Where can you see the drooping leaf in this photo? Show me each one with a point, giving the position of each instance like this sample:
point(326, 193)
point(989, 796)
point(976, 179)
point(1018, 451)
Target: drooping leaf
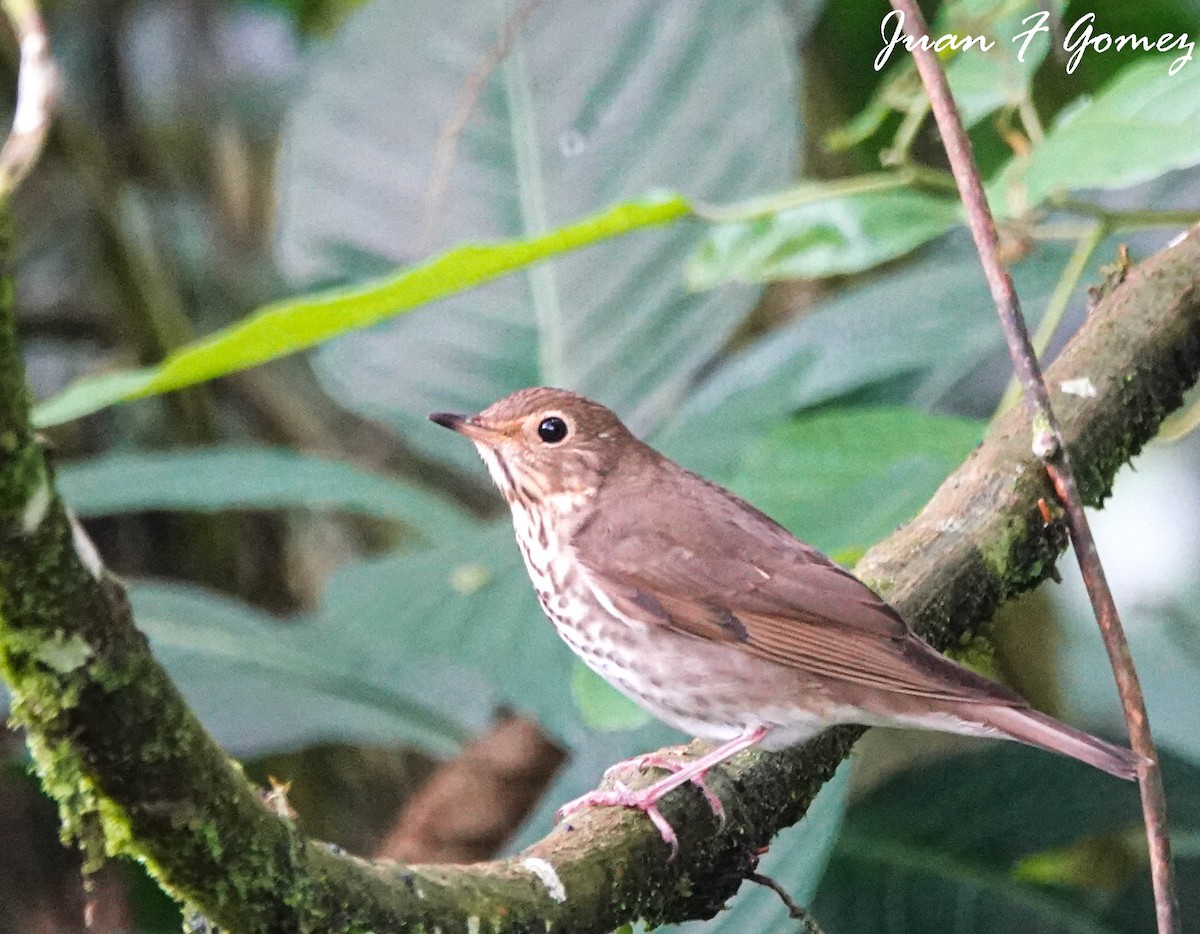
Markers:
point(1142, 124)
point(844, 478)
point(592, 101)
point(296, 324)
point(251, 478)
point(826, 238)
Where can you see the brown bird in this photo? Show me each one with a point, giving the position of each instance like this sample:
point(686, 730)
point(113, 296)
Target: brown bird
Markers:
point(711, 615)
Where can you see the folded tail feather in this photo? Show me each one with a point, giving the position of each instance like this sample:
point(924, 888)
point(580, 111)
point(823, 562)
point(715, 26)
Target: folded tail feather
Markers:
point(1038, 729)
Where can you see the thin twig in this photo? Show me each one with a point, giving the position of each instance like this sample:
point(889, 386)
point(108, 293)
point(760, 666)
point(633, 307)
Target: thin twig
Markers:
point(1049, 448)
point(37, 88)
point(452, 130)
point(808, 924)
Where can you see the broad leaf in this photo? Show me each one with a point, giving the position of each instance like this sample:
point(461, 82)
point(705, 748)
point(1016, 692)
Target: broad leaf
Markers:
point(260, 685)
point(592, 102)
point(826, 238)
point(251, 478)
point(468, 605)
point(843, 478)
point(298, 323)
point(909, 337)
point(1142, 124)
point(955, 846)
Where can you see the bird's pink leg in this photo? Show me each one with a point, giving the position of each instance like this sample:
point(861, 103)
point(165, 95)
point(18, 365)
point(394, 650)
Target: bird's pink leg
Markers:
point(658, 760)
point(646, 799)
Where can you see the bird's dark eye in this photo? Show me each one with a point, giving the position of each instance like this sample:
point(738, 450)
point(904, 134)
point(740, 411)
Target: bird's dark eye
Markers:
point(552, 430)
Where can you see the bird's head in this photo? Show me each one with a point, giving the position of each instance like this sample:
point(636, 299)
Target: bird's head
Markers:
point(543, 443)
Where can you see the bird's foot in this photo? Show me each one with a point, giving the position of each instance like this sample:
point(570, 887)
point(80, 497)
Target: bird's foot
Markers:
point(645, 800)
point(658, 760)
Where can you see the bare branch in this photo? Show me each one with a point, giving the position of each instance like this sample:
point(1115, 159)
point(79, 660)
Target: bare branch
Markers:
point(37, 87)
point(1048, 445)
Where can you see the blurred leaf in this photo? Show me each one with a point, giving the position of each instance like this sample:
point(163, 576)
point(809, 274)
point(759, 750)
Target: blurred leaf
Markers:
point(412, 613)
point(295, 324)
point(981, 80)
point(261, 685)
point(1142, 124)
point(251, 478)
point(830, 237)
point(602, 706)
point(911, 334)
point(1150, 541)
point(939, 849)
point(844, 478)
point(796, 861)
point(985, 81)
point(591, 102)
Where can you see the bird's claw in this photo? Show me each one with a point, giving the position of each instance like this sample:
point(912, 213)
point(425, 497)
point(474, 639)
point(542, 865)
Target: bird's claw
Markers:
point(656, 760)
point(622, 795)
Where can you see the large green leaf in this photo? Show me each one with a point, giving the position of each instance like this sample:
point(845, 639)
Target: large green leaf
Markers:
point(298, 323)
point(251, 478)
point(1142, 124)
point(828, 237)
point(592, 101)
point(908, 337)
point(955, 847)
point(260, 685)
point(845, 477)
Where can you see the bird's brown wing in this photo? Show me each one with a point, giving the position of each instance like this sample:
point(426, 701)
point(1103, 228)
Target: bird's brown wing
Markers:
point(737, 577)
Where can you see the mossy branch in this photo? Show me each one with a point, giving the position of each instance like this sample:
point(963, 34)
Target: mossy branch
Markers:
point(135, 774)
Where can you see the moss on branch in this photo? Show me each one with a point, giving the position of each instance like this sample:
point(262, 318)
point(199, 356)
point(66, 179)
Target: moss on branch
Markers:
point(135, 774)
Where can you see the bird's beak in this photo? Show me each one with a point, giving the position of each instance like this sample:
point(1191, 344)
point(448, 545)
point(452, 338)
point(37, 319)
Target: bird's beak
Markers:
point(467, 425)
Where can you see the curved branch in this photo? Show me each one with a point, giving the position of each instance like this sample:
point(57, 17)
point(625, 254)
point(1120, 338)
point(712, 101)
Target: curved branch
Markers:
point(134, 772)
point(37, 88)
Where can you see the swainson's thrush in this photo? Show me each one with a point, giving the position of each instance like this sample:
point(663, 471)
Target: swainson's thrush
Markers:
point(711, 615)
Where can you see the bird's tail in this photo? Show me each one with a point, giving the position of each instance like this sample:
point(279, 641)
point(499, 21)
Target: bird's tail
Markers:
point(1037, 729)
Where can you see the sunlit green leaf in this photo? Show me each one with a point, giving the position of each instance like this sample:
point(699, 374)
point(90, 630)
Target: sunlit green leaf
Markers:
point(295, 324)
point(1142, 124)
point(826, 238)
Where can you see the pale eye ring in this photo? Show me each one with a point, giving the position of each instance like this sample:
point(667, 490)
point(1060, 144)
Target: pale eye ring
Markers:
point(552, 429)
